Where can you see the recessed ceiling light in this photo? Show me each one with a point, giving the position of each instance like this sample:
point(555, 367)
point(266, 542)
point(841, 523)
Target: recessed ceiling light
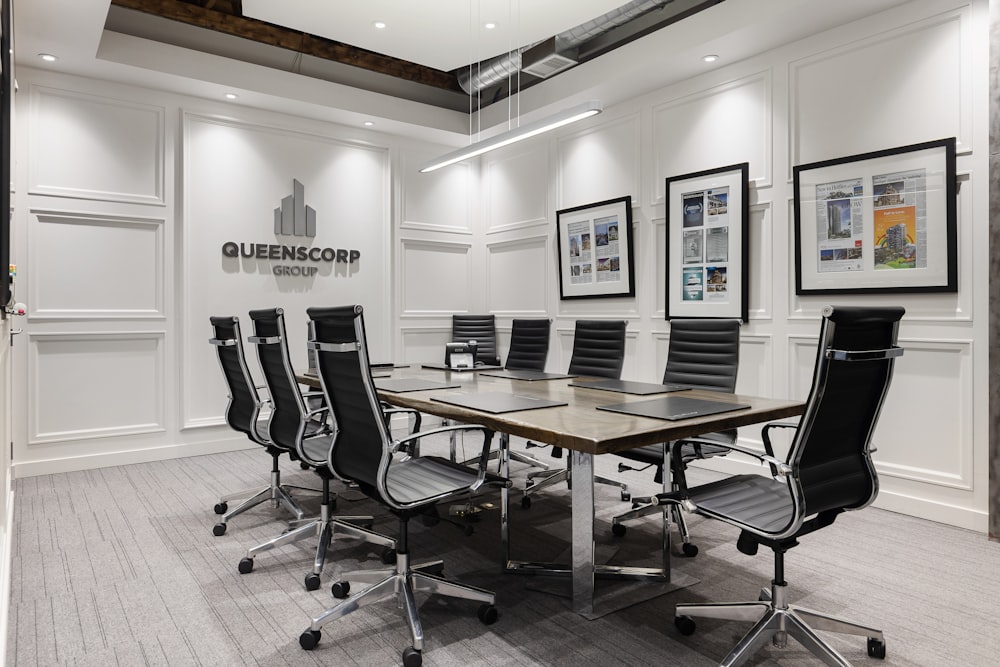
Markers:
point(369, 123)
point(490, 25)
point(47, 57)
point(379, 25)
point(710, 58)
point(231, 96)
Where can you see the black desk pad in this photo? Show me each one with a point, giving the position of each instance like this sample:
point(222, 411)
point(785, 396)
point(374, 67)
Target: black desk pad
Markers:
point(446, 367)
point(530, 376)
point(628, 387)
point(674, 408)
point(497, 402)
point(400, 385)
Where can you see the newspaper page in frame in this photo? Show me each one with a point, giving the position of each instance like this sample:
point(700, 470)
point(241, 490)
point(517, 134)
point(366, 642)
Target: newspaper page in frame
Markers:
point(581, 253)
point(705, 237)
point(606, 250)
point(840, 225)
point(900, 219)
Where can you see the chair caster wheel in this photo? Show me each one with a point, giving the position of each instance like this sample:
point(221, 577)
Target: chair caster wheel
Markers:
point(626, 496)
point(685, 625)
point(309, 639)
point(246, 566)
point(412, 657)
point(219, 529)
point(389, 556)
point(340, 589)
point(468, 530)
point(221, 508)
point(689, 550)
point(312, 581)
point(618, 529)
point(876, 648)
point(526, 502)
point(304, 465)
point(488, 614)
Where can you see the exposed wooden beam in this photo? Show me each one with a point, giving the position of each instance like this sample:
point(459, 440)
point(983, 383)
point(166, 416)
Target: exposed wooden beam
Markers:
point(267, 33)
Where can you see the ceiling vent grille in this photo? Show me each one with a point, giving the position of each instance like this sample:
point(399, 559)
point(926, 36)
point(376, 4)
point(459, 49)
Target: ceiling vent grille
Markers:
point(543, 61)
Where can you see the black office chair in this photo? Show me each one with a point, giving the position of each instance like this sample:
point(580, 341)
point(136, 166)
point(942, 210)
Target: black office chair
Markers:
point(529, 344)
point(364, 451)
point(479, 328)
point(244, 414)
point(703, 354)
point(598, 351)
point(828, 470)
point(295, 424)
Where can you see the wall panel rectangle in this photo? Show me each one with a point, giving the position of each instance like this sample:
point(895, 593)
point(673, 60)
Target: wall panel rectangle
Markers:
point(517, 277)
point(93, 385)
point(435, 277)
point(94, 266)
point(92, 147)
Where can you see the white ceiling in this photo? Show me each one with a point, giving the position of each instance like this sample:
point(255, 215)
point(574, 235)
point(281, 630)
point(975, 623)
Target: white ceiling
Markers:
point(75, 31)
point(443, 34)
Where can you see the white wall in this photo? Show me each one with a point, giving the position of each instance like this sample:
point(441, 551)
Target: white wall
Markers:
point(912, 74)
point(123, 196)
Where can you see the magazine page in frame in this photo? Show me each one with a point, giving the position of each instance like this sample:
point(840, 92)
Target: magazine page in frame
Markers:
point(877, 222)
point(707, 251)
point(595, 250)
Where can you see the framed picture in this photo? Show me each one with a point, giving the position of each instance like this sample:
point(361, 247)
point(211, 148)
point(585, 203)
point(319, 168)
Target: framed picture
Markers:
point(707, 254)
point(878, 222)
point(595, 250)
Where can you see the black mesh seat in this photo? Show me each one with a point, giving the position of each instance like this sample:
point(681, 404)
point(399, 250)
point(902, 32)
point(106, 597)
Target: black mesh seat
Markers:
point(300, 421)
point(828, 470)
point(249, 414)
point(386, 470)
point(598, 351)
point(703, 354)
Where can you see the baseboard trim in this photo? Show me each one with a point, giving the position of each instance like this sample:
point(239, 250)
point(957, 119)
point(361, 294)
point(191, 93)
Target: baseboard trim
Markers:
point(126, 457)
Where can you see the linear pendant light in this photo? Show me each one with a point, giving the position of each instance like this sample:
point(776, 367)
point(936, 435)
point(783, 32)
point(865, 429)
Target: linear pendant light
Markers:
point(564, 117)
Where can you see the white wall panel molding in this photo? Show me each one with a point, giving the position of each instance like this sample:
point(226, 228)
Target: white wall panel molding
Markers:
point(424, 344)
point(761, 269)
point(91, 147)
point(725, 124)
point(614, 145)
point(517, 276)
point(435, 278)
point(515, 192)
point(439, 201)
point(841, 105)
point(934, 377)
point(90, 385)
point(95, 267)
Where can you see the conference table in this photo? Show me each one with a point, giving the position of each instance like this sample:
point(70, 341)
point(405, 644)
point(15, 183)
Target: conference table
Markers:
point(577, 425)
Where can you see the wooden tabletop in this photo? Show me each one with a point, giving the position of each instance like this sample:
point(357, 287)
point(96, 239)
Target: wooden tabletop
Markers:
point(579, 425)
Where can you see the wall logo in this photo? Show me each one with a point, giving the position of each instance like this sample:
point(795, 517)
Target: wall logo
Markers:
point(293, 218)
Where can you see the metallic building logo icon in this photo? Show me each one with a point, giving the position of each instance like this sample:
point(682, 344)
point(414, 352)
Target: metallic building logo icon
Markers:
point(293, 217)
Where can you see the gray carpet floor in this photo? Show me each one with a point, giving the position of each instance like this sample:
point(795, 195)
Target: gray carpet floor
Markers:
point(119, 566)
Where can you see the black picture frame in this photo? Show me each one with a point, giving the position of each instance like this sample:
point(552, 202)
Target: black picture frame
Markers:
point(878, 222)
point(707, 249)
point(596, 256)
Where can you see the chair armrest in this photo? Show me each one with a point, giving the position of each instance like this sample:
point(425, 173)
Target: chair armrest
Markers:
point(765, 436)
point(484, 457)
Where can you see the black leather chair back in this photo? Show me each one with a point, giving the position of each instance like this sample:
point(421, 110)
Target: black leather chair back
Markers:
point(288, 416)
point(830, 455)
point(703, 354)
point(243, 410)
point(598, 348)
point(480, 328)
point(529, 344)
point(360, 448)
